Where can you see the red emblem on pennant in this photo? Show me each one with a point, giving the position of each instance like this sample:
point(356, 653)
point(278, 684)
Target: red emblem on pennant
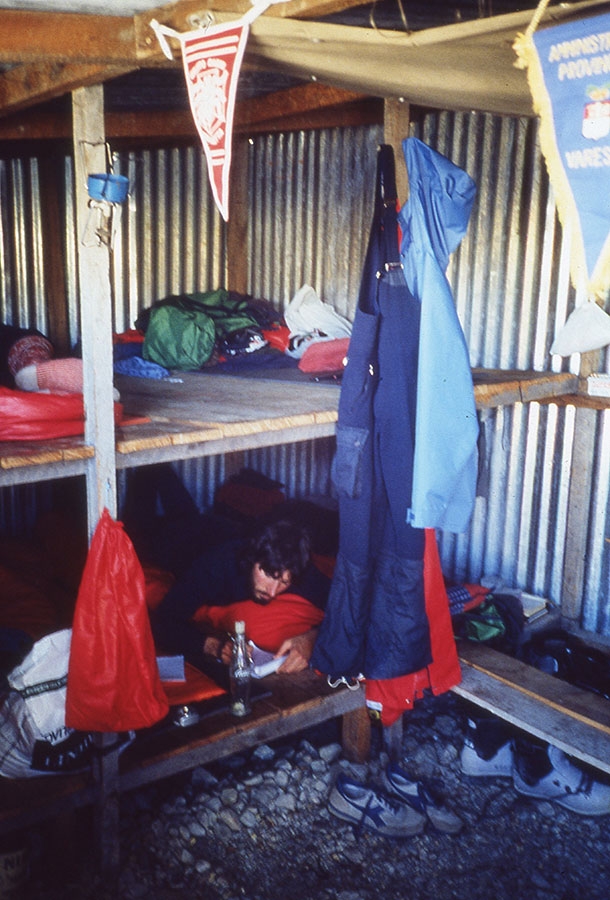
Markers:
point(212, 60)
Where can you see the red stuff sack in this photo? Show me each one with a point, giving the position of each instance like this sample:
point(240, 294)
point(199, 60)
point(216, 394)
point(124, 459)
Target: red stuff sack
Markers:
point(113, 677)
point(26, 416)
point(325, 357)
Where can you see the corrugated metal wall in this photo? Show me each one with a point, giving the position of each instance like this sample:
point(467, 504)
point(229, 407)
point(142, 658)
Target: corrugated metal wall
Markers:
point(22, 298)
point(311, 206)
point(311, 203)
point(311, 195)
point(22, 287)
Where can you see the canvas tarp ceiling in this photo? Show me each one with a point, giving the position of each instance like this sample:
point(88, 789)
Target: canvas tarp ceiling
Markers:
point(470, 65)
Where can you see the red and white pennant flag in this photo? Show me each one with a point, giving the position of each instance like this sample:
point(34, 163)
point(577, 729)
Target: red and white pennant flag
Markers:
point(212, 58)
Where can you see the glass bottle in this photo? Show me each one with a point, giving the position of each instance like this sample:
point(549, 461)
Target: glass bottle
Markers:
point(240, 672)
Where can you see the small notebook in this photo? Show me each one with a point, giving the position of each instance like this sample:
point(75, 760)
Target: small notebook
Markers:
point(533, 607)
point(171, 668)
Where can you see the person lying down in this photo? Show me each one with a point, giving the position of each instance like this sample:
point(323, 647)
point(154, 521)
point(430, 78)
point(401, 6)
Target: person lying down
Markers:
point(268, 580)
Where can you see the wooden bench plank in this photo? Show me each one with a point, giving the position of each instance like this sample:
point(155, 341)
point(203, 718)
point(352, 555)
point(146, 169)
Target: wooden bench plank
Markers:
point(295, 703)
point(497, 387)
point(575, 720)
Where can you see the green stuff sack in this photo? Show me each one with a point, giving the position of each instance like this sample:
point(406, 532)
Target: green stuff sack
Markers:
point(484, 623)
point(180, 335)
point(498, 622)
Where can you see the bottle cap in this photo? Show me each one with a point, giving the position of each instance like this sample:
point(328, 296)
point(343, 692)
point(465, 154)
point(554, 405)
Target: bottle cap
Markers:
point(240, 627)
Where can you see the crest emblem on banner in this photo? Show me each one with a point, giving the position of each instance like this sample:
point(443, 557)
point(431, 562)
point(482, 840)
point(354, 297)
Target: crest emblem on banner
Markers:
point(596, 117)
point(568, 70)
point(212, 57)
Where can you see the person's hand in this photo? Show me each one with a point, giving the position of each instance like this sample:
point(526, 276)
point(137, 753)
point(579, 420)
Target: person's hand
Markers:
point(298, 651)
point(219, 648)
point(226, 652)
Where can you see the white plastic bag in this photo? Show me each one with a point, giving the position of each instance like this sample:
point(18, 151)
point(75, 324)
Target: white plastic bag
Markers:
point(587, 328)
point(307, 314)
point(34, 739)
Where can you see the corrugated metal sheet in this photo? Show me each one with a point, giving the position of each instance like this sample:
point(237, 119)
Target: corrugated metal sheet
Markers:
point(22, 285)
point(311, 197)
point(168, 237)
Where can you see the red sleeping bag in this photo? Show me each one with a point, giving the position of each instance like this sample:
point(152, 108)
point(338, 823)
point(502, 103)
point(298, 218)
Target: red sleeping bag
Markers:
point(31, 416)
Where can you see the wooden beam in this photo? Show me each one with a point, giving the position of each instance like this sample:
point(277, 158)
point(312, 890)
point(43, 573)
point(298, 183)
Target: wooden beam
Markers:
point(579, 513)
point(29, 85)
point(52, 181)
point(237, 226)
point(365, 112)
point(297, 100)
point(579, 499)
point(537, 703)
point(45, 123)
point(35, 37)
point(185, 15)
point(356, 735)
point(301, 108)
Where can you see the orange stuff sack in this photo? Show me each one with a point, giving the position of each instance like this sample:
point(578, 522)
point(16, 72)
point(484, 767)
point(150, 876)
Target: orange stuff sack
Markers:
point(113, 677)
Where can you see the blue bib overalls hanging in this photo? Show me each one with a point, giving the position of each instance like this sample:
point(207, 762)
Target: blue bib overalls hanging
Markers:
point(376, 623)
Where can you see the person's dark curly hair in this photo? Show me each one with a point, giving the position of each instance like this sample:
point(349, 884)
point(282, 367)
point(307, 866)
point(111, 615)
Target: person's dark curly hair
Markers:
point(278, 547)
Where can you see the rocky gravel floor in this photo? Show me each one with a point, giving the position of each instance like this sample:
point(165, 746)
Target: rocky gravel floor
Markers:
point(258, 827)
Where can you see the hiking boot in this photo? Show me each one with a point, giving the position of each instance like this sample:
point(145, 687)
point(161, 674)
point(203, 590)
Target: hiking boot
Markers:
point(398, 783)
point(565, 784)
point(500, 765)
point(367, 808)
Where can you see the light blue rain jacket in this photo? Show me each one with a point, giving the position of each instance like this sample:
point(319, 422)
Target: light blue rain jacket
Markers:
point(434, 220)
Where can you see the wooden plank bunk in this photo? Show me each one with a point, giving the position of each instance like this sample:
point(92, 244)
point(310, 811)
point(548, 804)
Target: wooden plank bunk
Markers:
point(203, 415)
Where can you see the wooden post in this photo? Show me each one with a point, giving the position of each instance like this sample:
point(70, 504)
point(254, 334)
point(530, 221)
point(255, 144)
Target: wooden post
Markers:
point(396, 124)
point(581, 479)
point(107, 803)
point(237, 249)
point(392, 739)
point(96, 335)
point(95, 303)
point(237, 226)
point(52, 186)
point(356, 734)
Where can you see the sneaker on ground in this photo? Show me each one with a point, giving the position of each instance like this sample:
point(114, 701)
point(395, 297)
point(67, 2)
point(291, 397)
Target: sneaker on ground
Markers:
point(567, 785)
point(368, 809)
point(500, 765)
point(398, 783)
